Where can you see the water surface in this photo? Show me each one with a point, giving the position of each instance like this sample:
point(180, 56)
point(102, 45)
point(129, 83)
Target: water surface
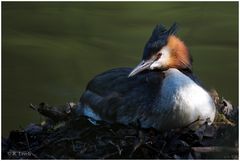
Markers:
point(51, 50)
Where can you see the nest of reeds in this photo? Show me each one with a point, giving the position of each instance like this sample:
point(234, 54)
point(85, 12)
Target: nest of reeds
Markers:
point(64, 136)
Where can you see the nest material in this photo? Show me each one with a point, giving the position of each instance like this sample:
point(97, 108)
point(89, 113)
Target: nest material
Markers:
point(64, 136)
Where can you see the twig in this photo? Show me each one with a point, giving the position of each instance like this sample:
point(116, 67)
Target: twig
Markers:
point(117, 146)
point(66, 139)
point(215, 149)
point(33, 107)
point(26, 137)
point(34, 155)
point(135, 148)
point(188, 125)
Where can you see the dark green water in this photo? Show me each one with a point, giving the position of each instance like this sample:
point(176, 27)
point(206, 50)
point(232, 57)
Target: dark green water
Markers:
point(51, 50)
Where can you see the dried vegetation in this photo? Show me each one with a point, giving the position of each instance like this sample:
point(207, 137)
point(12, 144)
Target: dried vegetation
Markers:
point(64, 136)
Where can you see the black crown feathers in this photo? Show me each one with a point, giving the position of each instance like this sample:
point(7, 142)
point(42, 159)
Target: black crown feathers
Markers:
point(158, 39)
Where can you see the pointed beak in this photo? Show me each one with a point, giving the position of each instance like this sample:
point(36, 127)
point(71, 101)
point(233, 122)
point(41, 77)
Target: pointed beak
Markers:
point(141, 67)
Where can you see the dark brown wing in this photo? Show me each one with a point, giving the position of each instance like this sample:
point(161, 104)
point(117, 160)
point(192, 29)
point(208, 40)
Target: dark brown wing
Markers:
point(117, 98)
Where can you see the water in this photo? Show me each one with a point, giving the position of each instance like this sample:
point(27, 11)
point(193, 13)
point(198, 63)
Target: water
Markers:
point(51, 50)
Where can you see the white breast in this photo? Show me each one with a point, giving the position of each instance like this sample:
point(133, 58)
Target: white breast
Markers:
point(183, 101)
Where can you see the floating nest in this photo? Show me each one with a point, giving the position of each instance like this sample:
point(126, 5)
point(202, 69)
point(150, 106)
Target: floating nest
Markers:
point(64, 136)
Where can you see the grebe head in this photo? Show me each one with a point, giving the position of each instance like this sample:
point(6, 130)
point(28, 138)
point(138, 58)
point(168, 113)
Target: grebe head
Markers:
point(164, 50)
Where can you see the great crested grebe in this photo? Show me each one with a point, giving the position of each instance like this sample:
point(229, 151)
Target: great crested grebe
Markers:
point(161, 92)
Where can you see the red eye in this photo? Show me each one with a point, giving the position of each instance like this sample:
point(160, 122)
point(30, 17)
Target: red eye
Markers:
point(158, 55)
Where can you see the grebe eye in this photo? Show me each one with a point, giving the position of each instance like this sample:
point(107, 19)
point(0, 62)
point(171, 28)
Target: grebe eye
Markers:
point(158, 55)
